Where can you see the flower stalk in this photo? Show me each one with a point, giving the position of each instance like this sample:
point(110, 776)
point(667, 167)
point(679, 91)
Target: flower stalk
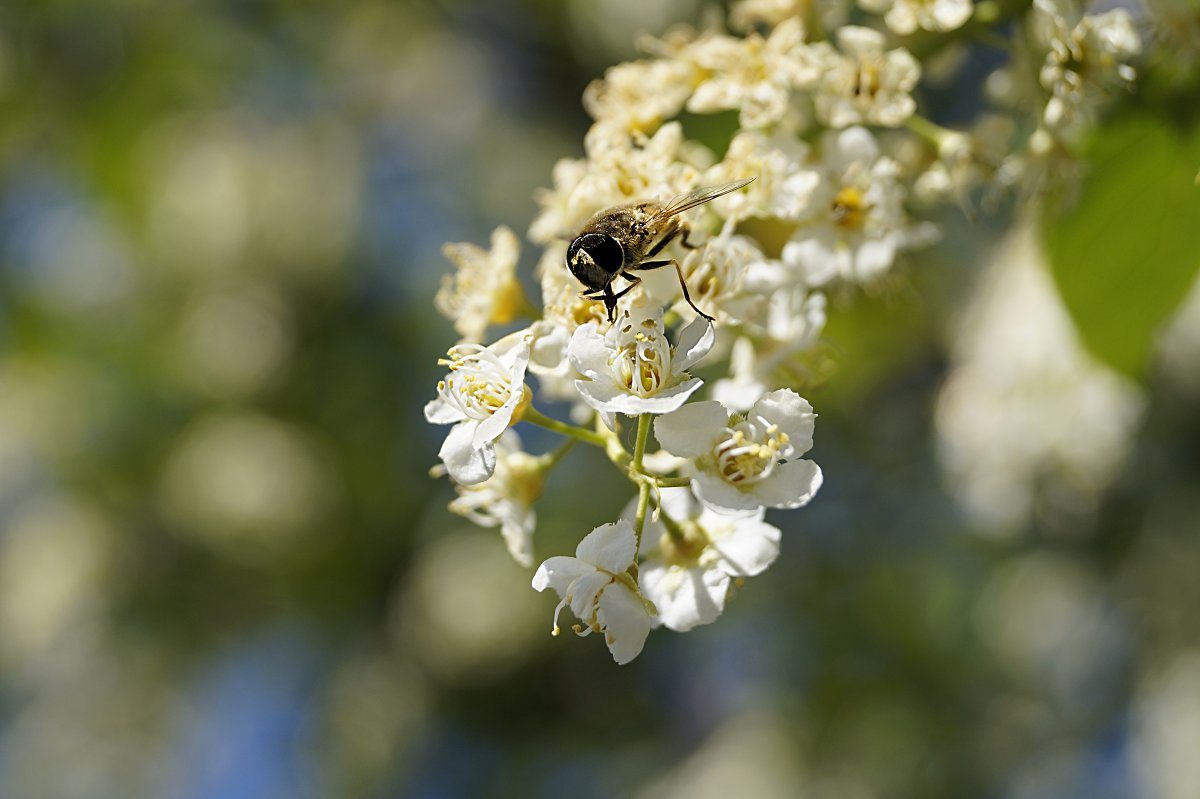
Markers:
point(636, 468)
point(534, 416)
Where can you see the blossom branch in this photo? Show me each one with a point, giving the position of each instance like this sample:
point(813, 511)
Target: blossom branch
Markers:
point(636, 468)
point(534, 416)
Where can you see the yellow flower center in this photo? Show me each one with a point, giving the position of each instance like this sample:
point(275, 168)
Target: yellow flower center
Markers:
point(478, 382)
point(849, 208)
point(747, 455)
point(642, 364)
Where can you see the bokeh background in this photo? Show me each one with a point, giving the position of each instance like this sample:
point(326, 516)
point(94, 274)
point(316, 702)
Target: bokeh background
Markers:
point(225, 571)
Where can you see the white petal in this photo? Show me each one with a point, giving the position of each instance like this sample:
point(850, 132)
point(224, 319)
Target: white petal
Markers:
point(874, 257)
point(853, 144)
point(559, 572)
point(549, 347)
point(685, 598)
point(517, 530)
point(901, 19)
point(695, 341)
point(690, 431)
point(749, 549)
point(791, 485)
point(738, 395)
point(679, 503)
point(625, 621)
point(720, 495)
point(490, 428)
point(793, 415)
point(610, 546)
point(607, 397)
point(815, 255)
point(952, 14)
point(467, 464)
point(583, 593)
point(587, 351)
point(856, 40)
point(599, 394)
point(440, 411)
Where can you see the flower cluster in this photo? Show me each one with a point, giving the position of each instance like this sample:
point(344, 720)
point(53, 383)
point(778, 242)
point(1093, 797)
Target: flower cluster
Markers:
point(841, 161)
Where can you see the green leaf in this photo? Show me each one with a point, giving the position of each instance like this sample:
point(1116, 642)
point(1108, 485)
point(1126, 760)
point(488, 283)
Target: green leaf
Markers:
point(1125, 254)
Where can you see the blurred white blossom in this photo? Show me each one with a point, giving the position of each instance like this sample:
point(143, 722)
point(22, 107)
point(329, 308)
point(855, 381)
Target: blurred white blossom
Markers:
point(857, 222)
point(505, 499)
point(484, 289)
point(862, 83)
point(1086, 55)
point(905, 17)
point(754, 75)
point(1026, 415)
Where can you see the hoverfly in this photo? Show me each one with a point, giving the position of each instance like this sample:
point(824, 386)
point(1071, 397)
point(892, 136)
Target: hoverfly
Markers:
point(625, 238)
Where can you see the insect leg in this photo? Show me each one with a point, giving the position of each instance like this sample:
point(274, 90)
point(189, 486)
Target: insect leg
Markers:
point(670, 235)
point(682, 283)
point(633, 281)
point(686, 228)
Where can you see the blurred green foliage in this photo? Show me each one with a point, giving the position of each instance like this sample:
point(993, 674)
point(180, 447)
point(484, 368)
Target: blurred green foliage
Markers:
point(1128, 248)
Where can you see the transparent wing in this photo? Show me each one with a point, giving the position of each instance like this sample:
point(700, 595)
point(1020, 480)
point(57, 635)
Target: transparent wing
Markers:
point(683, 202)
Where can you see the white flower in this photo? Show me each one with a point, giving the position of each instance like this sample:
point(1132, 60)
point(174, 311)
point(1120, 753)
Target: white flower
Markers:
point(744, 462)
point(966, 162)
point(752, 74)
point(826, 15)
point(785, 183)
point(747, 14)
point(598, 587)
point(692, 555)
point(795, 319)
point(485, 289)
point(864, 84)
point(621, 167)
point(505, 500)
point(640, 95)
point(480, 397)
point(904, 17)
point(1082, 59)
point(716, 272)
point(858, 221)
point(631, 368)
point(564, 207)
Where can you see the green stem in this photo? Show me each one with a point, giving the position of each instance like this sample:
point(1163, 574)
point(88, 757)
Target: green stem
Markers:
point(534, 416)
point(673, 482)
point(639, 452)
point(926, 129)
point(639, 445)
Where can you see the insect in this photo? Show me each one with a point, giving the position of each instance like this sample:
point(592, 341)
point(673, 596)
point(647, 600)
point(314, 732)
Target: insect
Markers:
point(624, 239)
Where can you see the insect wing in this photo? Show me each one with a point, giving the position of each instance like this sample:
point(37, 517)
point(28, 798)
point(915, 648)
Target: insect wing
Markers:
point(683, 202)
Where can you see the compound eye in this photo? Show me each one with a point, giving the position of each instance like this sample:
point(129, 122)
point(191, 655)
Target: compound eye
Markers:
point(606, 251)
